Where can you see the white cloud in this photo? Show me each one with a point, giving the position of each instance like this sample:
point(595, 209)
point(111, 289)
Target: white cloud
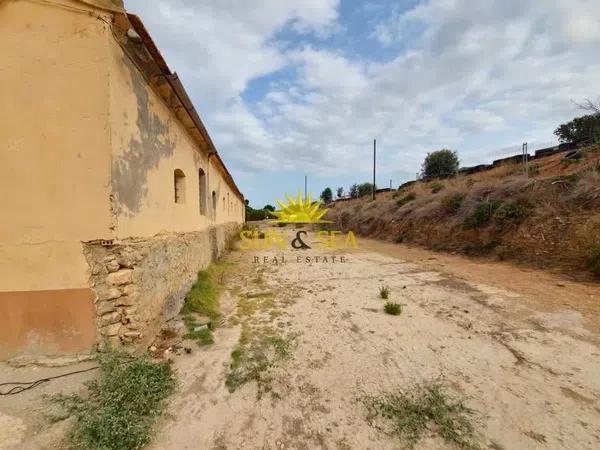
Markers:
point(218, 46)
point(506, 69)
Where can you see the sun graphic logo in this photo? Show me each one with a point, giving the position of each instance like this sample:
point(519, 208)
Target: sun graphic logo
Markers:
point(300, 211)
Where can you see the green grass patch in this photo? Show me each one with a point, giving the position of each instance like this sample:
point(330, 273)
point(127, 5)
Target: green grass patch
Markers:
point(203, 300)
point(394, 309)
point(412, 414)
point(121, 407)
point(203, 337)
point(384, 292)
point(406, 199)
point(250, 304)
point(484, 211)
point(254, 357)
point(452, 202)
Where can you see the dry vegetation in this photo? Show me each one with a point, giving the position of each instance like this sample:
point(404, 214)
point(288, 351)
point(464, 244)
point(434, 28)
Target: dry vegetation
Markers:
point(550, 219)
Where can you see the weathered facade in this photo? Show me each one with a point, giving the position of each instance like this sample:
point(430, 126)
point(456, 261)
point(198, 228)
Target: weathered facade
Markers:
point(114, 196)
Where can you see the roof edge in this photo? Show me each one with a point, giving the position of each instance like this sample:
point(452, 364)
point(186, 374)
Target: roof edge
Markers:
point(175, 83)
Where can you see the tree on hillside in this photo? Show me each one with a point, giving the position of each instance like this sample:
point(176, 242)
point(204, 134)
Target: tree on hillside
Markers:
point(327, 195)
point(580, 129)
point(269, 208)
point(365, 189)
point(340, 192)
point(440, 164)
point(354, 191)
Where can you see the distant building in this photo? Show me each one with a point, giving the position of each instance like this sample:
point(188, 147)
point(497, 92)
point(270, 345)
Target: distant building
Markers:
point(113, 194)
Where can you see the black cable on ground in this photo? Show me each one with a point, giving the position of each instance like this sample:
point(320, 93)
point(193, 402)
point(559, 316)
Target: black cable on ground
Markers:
point(19, 387)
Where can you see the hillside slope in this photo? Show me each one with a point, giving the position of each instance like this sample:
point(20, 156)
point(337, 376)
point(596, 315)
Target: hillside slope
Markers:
point(550, 219)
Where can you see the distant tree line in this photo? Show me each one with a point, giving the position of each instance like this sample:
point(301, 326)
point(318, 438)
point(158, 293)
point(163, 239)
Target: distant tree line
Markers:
point(258, 214)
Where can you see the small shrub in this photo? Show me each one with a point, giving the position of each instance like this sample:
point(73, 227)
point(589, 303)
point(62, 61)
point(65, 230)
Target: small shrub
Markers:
point(414, 413)
point(399, 239)
point(436, 187)
point(384, 292)
point(515, 211)
point(453, 202)
point(203, 336)
point(406, 199)
point(483, 213)
point(394, 309)
point(121, 407)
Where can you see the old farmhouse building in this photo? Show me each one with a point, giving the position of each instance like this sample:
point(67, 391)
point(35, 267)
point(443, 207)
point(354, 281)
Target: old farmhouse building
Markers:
point(113, 194)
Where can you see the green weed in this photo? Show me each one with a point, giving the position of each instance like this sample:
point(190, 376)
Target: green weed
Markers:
point(255, 356)
point(121, 407)
point(203, 298)
point(412, 414)
point(394, 309)
point(384, 292)
point(203, 336)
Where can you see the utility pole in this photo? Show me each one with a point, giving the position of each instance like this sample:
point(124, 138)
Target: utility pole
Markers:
point(305, 187)
point(525, 160)
point(374, 165)
point(390, 185)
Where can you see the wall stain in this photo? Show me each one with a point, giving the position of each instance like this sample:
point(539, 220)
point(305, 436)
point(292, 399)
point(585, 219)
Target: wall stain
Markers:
point(130, 171)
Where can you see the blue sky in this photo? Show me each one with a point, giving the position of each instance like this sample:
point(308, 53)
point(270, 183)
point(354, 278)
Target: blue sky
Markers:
point(302, 87)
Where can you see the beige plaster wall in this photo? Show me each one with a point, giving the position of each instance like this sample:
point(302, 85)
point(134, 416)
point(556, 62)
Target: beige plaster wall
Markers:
point(54, 144)
point(88, 152)
point(54, 175)
point(149, 144)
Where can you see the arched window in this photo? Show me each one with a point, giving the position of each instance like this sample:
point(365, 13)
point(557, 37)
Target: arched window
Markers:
point(202, 191)
point(228, 204)
point(179, 178)
point(214, 205)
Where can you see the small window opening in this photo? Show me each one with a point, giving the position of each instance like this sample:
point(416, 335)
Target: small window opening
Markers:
point(214, 205)
point(202, 191)
point(179, 177)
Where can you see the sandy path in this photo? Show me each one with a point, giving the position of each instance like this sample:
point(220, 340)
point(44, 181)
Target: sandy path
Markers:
point(533, 376)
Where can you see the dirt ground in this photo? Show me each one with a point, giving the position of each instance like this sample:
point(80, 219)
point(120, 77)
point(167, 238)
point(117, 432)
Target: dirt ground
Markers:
point(532, 373)
point(522, 346)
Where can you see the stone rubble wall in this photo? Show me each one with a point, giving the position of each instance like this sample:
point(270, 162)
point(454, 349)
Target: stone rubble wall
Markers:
point(140, 283)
